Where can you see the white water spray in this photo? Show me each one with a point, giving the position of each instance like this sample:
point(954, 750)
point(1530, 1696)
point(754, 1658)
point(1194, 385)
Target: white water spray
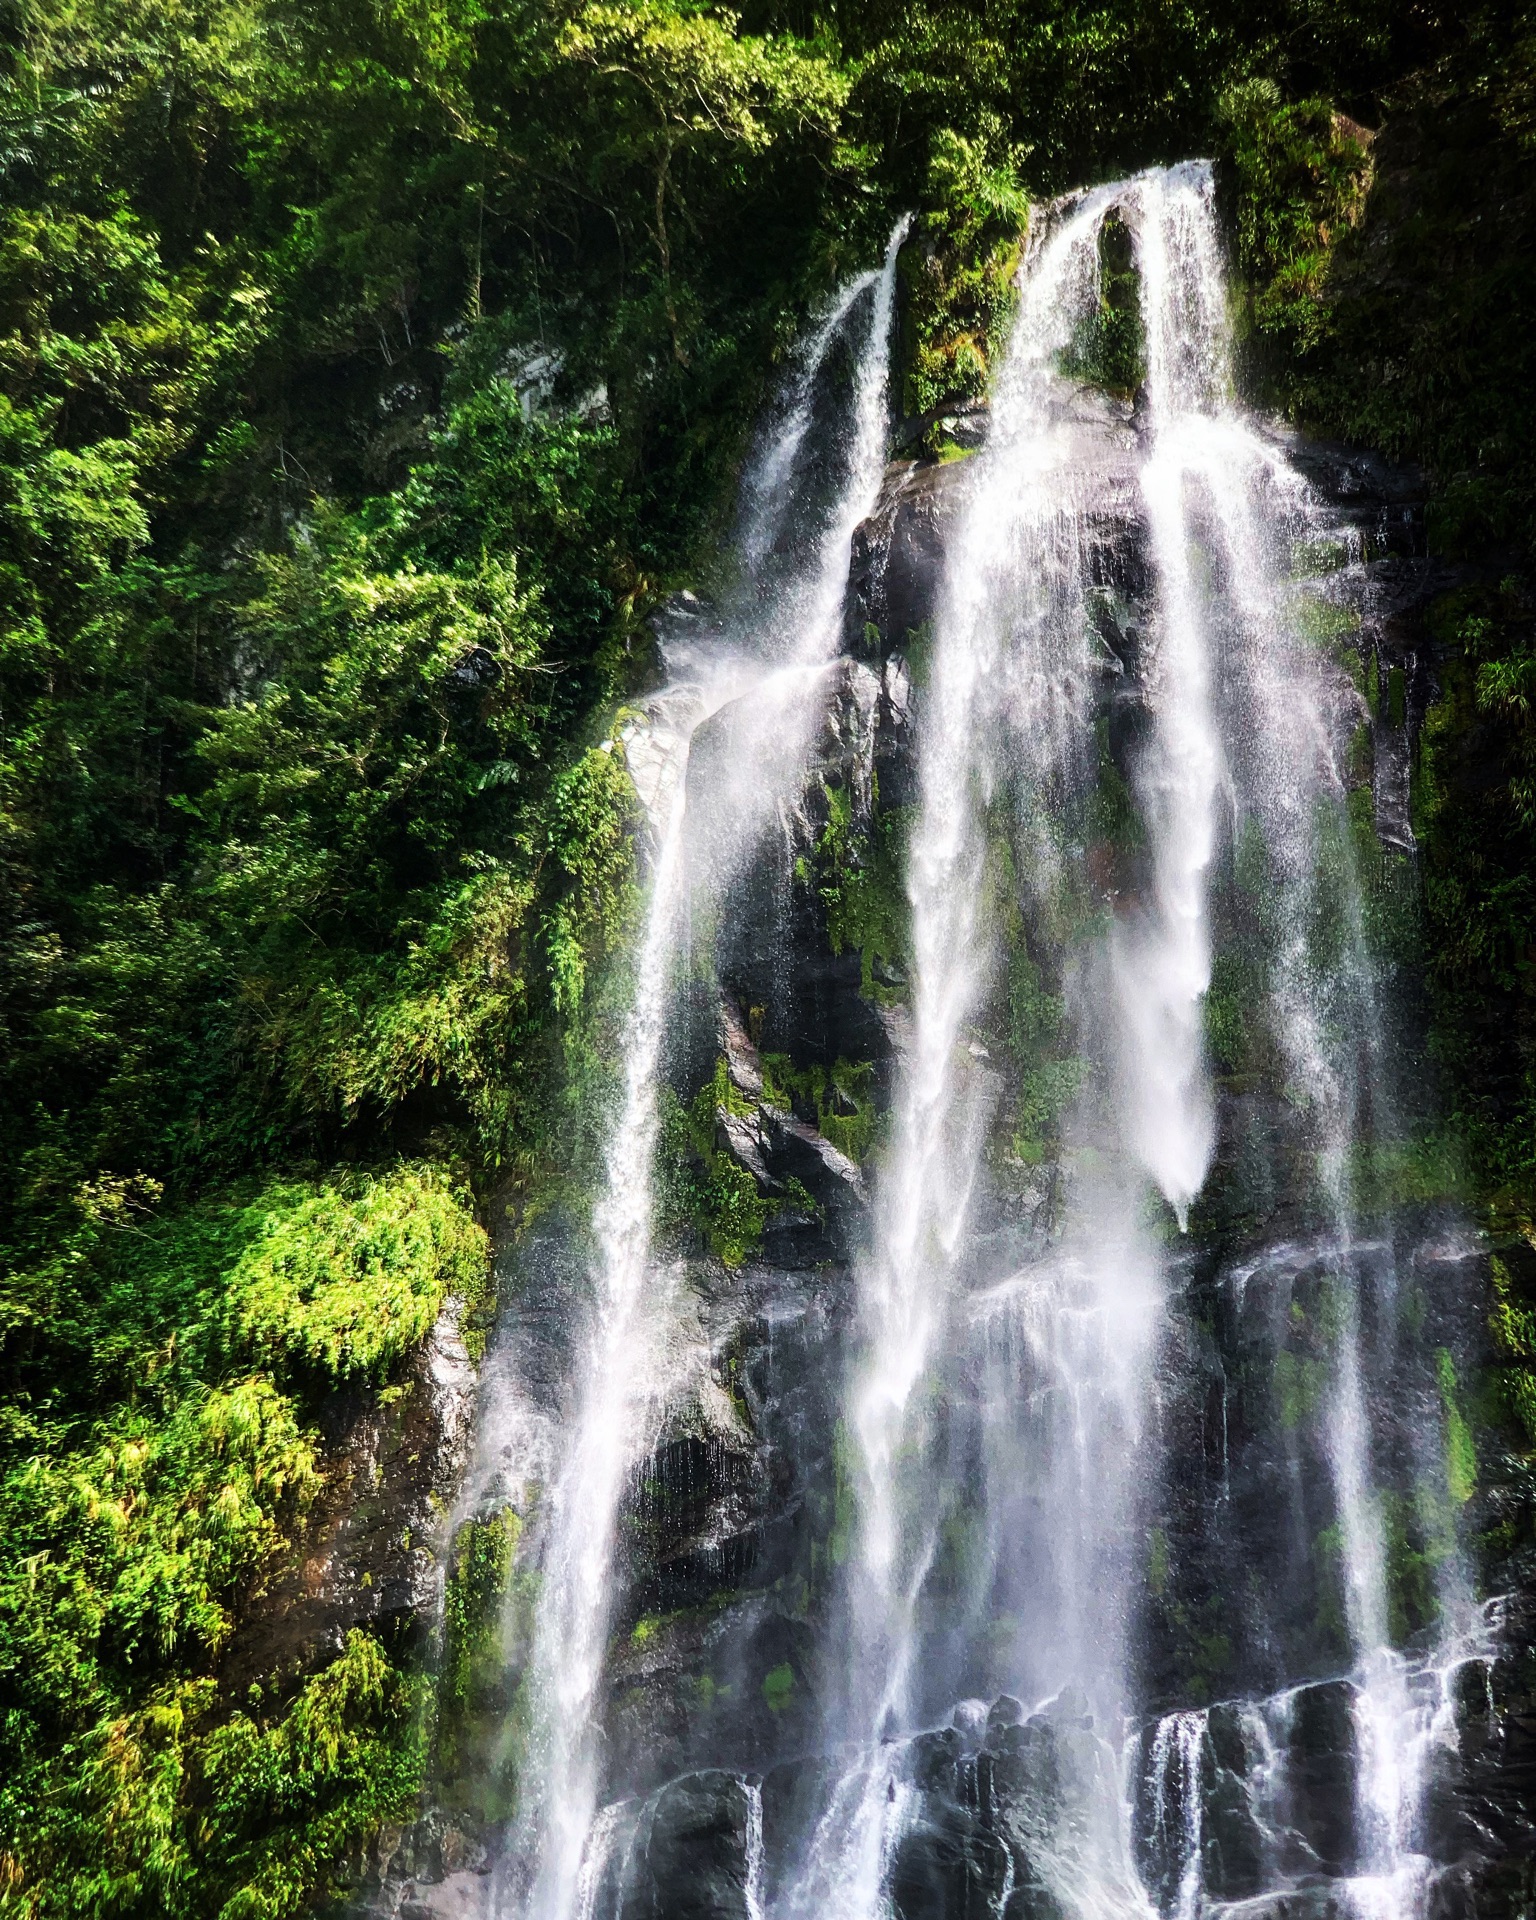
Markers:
point(1215, 484)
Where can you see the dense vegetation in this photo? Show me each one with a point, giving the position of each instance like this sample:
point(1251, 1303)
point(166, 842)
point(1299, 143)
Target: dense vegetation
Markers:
point(367, 373)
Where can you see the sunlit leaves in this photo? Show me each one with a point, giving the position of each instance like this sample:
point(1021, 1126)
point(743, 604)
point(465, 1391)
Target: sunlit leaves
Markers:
point(345, 1281)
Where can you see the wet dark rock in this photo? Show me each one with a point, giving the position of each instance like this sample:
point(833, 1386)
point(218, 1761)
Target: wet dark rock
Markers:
point(898, 557)
point(1033, 1902)
point(1321, 1901)
point(742, 1061)
point(476, 671)
point(1367, 490)
point(965, 423)
point(1233, 1846)
point(1005, 1712)
point(743, 1136)
point(776, 1147)
point(898, 553)
point(1321, 1766)
point(932, 1757)
point(713, 1662)
point(775, 958)
point(431, 1870)
point(895, 758)
point(831, 1178)
point(1481, 1804)
point(1233, 1850)
point(690, 1861)
point(947, 1866)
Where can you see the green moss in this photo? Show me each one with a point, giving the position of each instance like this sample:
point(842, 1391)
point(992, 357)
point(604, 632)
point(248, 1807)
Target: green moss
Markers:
point(1036, 1017)
point(1300, 1382)
point(1046, 1091)
point(594, 817)
point(841, 1097)
point(1109, 349)
point(861, 881)
point(1512, 1323)
point(1302, 173)
point(1460, 1449)
point(1332, 628)
point(1418, 1534)
point(1427, 1165)
point(1158, 1562)
point(480, 1567)
point(961, 1549)
point(702, 1188)
point(1236, 1017)
point(1328, 1560)
point(779, 1687)
point(1113, 815)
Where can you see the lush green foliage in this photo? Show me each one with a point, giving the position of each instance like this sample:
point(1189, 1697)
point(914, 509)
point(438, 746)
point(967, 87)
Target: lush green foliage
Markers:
point(345, 1283)
point(366, 373)
point(136, 1536)
point(172, 1809)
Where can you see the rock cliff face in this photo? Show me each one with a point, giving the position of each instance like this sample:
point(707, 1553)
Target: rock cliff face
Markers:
point(1242, 1771)
point(372, 1554)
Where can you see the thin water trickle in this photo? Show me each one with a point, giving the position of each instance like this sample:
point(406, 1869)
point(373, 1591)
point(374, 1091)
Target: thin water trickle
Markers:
point(1178, 1827)
point(753, 1887)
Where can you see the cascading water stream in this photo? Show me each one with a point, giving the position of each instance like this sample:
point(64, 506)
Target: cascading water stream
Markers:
point(1213, 482)
point(1005, 678)
point(625, 1365)
point(1162, 963)
point(622, 1368)
point(923, 1212)
point(1238, 730)
point(1177, 1827)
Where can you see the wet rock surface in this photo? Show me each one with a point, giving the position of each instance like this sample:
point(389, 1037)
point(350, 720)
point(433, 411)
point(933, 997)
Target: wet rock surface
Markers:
point(372, 1553)
point(897, 566)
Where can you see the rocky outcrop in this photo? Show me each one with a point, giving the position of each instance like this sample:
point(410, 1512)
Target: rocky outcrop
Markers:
point(897, 563)
point(372, 1554)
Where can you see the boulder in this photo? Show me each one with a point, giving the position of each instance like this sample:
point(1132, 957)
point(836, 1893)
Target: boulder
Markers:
point(1321, 1768)
point(692, 1852)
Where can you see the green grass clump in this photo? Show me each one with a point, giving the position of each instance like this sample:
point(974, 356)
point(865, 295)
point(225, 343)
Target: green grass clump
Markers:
point(347, 1282)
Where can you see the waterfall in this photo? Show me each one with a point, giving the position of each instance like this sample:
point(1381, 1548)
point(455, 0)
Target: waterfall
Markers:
point(627, 1360)
point(1036, 1378)
point(1178, 1755)
point(622, 1371)
point(1006, 690)
point(1140, 975)
point(1009, 529)
point(1218, 482)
